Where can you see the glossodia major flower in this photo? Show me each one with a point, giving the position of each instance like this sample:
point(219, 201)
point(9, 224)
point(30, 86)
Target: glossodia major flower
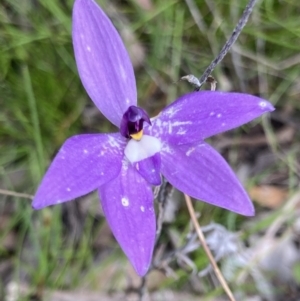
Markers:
point(124, 166)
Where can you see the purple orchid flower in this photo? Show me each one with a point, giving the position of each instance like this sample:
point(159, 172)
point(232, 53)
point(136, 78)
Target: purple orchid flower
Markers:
point(123, 166)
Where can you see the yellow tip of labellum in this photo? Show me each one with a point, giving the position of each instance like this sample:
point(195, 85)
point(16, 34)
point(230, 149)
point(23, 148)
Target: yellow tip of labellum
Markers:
point(137, 136)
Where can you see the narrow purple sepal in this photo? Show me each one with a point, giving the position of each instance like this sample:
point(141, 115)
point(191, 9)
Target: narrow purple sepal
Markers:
point(127, 203)
point(83, 163)
point(149, 169)
point(203, 173)
point(103, 63)
point(199, 115)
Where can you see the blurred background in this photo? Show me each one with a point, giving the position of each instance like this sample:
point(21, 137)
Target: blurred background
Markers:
point(68, 252)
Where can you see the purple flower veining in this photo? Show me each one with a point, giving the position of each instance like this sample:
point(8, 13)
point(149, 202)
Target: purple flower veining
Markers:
point(124, 166)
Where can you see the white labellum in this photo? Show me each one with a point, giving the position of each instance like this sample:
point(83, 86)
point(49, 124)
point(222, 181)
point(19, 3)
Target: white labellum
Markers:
point(136, 151)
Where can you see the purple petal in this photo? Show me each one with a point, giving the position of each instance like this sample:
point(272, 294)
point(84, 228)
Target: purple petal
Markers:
point(199, 115)
point(83, 163)
point(102, 61)
point(149, 169)
point(203, 173)
point(127, 203)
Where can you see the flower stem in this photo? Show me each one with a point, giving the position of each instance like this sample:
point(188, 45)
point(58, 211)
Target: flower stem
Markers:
point(165, 190)
point(142, 291)
point(206, 248)
point(161, 195)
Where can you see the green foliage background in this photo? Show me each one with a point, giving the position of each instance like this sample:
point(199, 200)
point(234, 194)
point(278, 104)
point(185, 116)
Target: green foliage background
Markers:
point(42, 102)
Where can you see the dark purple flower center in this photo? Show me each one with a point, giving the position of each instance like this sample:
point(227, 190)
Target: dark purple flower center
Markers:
point(133, 121)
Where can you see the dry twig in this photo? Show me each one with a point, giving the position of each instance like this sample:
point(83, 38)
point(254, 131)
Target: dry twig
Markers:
point(235, 34)
point(206, 248)
point(16, 194)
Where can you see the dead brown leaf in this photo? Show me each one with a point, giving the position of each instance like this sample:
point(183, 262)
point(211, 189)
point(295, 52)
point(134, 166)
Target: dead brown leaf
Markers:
point(268, 196)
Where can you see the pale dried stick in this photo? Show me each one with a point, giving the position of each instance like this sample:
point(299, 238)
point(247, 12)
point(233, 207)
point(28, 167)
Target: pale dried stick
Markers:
point(16, 194)
point(206, 248)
